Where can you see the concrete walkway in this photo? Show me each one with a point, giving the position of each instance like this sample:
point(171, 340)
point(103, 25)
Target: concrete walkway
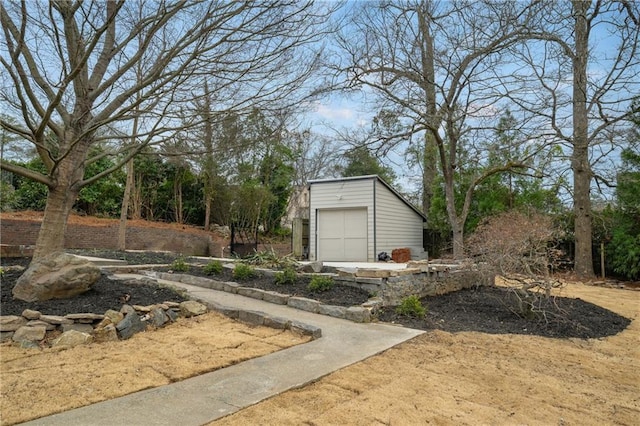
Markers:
point(210, 396)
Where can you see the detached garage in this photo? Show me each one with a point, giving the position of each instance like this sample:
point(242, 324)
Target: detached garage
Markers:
point(353, 219)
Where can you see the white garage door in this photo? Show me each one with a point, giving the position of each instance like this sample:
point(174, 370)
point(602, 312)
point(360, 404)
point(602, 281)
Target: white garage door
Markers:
point(342, 235)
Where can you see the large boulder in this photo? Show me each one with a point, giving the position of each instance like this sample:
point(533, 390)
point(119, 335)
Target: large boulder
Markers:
point(56, 276)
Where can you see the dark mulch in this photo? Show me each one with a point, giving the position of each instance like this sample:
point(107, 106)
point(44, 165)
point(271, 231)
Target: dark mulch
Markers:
point(492, 310)
point(483, 309)
point(339, 295)
point(104, 295)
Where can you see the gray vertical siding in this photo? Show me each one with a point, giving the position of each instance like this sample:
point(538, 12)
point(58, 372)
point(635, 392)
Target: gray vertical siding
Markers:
point(397, 224)
point(391, 223)
point(339, 195)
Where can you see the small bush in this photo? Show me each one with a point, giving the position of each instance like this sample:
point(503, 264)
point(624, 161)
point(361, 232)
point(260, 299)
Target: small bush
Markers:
point(180, 265)
point(269, 259)
point(213, 268)
point(320, 283)
point(243, 271)
point(411, 307)
point(288, 276)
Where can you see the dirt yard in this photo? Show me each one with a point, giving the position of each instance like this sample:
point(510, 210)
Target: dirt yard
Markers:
point(36, 383)
point(475, 378)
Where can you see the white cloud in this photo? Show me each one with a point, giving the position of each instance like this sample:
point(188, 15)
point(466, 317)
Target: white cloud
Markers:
point(328, 112)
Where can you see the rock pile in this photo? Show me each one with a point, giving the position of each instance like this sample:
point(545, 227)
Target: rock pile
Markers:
point(30, 329)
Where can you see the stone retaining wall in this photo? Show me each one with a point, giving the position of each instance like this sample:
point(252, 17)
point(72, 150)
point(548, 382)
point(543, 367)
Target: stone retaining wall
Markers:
point(362, 313)
point(429, 280)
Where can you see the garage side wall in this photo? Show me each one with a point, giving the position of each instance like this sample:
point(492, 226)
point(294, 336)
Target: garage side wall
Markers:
point(340, 195)
point(397, 225)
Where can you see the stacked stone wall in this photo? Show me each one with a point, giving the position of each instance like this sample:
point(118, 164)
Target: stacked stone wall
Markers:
point(394, 286)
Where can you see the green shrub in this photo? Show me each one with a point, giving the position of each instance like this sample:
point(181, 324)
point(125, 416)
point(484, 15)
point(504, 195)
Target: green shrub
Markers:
point(213, 268)
point(411, 307)
point(180, 265)
point(320, 283)
point(269, 259)
point(288, 276)
point(243, 271)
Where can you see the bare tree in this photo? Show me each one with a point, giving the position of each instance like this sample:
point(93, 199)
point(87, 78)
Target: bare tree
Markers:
point(83, 71)
point(518, 248)
point(430, 66)
point(581, 69)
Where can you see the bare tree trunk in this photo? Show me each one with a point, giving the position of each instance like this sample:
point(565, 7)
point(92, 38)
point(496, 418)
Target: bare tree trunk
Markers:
point(430, 155)
point(122, 226)
point(580, 164)
point(207, 210)
point(177, 193)
point(60, 200)
point(136, 198)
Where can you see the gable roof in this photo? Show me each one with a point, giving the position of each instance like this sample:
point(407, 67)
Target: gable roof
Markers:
point(371, 177)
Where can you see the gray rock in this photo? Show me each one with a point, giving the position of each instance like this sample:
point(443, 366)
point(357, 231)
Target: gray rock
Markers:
point(32, 334)
point(191, 308)
point(172, 315)
point(55, 319)
point(312, 267)
point(114, 316)
point(127, 310)
point(157, 317)
point(304, 304)
point(82, 328)
point(305, 329)
point(72, 338)
point(86, 318)
point(5, 336)
point(274, 297)
point(29, 344)
point(251, 317)
point(11, 322)
point(332, 311)
point(253, 293)
point(277, 322)
point(358, 314)
point(46, 325)
point(56, 276)
point(107, 333)
point(130, 325)
point(30, 314)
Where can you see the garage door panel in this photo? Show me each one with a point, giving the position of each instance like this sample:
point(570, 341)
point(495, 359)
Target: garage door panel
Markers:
point(355, 224)
point(333, 247)
point(342, 235)
point(354, 249)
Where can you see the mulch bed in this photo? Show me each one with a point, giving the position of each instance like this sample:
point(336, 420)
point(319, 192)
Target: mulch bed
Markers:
point(483, 309)
point(104, 295)
point(493, 310)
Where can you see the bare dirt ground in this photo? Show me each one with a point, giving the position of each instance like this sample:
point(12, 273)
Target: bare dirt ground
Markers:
point(36, 383)
point(471, 378)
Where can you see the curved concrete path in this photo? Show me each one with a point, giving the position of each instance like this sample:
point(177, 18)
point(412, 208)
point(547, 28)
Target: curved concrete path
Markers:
point(210, 396)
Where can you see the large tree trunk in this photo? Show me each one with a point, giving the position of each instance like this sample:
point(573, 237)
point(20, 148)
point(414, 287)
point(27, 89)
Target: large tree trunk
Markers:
point(580, 156)
point(457, 225)
point(430, 155)
point(67, 177)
